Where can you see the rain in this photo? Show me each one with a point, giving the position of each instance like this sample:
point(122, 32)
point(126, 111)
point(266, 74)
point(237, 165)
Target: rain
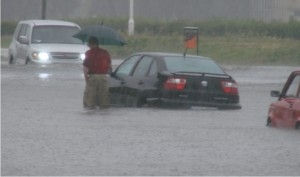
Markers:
point(46, 132)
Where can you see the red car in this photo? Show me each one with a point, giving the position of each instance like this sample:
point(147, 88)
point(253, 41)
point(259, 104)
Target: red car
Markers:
point(285, 112)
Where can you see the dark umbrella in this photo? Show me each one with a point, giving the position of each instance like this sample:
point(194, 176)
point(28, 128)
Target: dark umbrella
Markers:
point(104, 34)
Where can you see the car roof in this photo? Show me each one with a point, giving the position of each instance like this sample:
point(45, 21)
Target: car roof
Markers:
point(49, 22)
point(296, 72)
point(165, 54)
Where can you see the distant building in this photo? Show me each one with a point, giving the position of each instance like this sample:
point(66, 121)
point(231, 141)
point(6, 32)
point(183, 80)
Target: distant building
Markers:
point(266, 10)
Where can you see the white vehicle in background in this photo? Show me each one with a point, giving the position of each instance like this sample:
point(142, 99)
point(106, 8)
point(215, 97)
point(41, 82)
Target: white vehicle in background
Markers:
point(46, 41)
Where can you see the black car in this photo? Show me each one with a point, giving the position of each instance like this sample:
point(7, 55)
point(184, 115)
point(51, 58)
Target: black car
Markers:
point(168, 79)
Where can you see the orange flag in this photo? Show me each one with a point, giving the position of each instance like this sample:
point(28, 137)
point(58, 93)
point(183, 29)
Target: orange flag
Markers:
point(191, 43)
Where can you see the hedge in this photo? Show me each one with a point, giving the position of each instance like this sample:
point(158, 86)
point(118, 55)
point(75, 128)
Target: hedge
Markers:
point(213, 27)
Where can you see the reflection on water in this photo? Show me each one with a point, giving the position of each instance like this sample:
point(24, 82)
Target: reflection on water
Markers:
point(44, 76)
point(261, 74)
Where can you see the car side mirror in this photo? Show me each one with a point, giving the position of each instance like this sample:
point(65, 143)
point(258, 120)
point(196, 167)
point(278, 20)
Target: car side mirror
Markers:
point(23, 40)
point(275, 93)
point(112, 74)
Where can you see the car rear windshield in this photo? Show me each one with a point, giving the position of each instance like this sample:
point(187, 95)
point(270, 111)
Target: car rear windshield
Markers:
point(192, 64)
point(55, 34)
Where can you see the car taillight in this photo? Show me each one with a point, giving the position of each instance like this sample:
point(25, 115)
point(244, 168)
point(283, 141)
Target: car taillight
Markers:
point(175, 83)
point(229, 87)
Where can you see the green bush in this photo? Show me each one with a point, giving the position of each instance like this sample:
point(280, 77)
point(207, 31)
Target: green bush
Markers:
point(245, 42)
point(213, 27)
point(8, 27)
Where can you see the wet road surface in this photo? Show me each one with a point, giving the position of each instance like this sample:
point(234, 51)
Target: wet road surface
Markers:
point(45, 131)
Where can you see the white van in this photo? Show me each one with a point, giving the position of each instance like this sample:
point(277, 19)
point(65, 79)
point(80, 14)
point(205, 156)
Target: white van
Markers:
point(46, 41)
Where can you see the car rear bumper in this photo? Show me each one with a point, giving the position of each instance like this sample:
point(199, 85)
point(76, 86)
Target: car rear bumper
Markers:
point(202, 103)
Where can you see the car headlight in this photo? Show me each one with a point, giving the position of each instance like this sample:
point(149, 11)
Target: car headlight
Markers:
point(82, 56)
point(43, 56)
point(40, 56)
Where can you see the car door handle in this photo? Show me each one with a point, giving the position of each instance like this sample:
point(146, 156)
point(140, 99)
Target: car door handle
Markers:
point(141, 82)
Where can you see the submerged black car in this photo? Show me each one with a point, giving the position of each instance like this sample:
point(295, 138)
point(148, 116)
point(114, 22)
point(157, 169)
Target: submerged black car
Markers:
point(168, 79)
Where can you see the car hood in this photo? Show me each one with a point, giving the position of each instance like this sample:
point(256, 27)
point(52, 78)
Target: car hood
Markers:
point(70, 48)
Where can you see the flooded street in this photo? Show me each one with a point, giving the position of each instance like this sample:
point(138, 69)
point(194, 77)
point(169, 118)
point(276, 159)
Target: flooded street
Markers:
point(46, 132)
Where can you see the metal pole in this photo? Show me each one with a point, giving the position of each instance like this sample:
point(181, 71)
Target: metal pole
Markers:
point(131, 20)
point(44, 7)
point(198, 41)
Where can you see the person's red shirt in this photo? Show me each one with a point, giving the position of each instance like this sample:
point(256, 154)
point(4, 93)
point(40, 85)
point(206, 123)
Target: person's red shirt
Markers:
point(97, 60)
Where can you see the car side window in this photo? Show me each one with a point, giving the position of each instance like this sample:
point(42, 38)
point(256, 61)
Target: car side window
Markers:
point(24, 31)
point(153, 69)
point(294, 88)
point(126, 68)
point(143, 66)
point(17, 31)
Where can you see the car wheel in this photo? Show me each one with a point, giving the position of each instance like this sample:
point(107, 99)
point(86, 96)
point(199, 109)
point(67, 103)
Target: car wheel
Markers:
point(139, 102)
point(11, 60)
point(297, 126)
point(136, 102)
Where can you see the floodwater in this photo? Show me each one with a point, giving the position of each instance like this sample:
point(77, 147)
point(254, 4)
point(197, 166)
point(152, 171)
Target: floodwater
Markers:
point(45, 131)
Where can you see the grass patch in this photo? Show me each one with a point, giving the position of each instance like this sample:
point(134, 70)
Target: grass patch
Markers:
point(231, 50)
point(234, 42)
point(252, 50)
point(239, 50)
point(5, 41)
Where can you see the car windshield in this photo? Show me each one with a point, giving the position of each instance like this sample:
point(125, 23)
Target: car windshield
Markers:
point(192, 64)
point(55, 34)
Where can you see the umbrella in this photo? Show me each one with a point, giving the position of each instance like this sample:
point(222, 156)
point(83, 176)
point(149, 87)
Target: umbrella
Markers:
point(104, 34)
